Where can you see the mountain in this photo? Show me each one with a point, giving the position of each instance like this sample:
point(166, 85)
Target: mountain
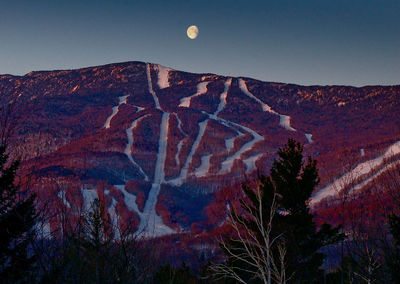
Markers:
point(155, 143)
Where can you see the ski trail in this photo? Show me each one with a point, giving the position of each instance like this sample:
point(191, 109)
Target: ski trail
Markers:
point(309, 137)
point(129, 199)
point(228, 163)
point(250, 162)
point(361, 169)
point(204, 167)
point(230, 142)
point(201, 89)
point(202, 127)
point(264, 106)
point(122, 100)
point(184, 172)
point(150, 85)
point(128, 149)
point(152, 224)
point(163, 76)
point(223, 97)
point(284, 120)
point(178, 152)
point(180, 125)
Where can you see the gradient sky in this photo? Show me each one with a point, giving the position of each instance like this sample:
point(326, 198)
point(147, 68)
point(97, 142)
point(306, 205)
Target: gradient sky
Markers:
point(352, 42)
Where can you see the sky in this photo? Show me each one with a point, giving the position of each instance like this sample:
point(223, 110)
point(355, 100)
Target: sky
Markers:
point(349, 42)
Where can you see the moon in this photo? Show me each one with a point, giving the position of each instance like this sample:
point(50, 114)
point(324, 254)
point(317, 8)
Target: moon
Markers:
point(192, 32)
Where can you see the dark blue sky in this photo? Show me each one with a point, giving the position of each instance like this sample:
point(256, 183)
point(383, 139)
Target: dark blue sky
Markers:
point(307, 41)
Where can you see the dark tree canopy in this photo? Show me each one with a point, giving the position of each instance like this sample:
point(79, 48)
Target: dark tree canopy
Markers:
point(17, 221)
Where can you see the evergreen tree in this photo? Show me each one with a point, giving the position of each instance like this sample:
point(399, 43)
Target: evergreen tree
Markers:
point(276, 229)
point(393, 258)
point(17, 220)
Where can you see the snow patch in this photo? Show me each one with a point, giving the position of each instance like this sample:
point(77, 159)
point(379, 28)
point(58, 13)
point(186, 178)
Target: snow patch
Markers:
point(128, 149)
point(201, 89)
point(163, 76)
point(360, 170)
point(89, 195)
point(309, 137)
point(362, 152)
point(122, 100)
point(62, 196)
point(114, 219)
point(250, 162)
point(284, 121)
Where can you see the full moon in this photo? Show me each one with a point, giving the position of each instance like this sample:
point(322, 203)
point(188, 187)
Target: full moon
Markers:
point(192, 32)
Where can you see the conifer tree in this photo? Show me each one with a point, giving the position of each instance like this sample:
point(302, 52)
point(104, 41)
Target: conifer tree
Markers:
point(17, 221)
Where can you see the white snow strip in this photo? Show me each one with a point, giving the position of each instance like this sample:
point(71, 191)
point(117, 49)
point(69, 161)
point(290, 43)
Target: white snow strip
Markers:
point(128, 149)
point(184, 172)
point(130, 200)
point(122, 100)
point(178, 152)
point(284, 121)
point(264, 106)
point(309, 137)
point(152, 224)
point(89, 195)
point(227, 165)
point(150, 85)
point(371, 178)
point(223, 97)
point(250, 162)
point(163, 76)
point(63, 197)
point(180, 125)
point(204, 167)
point(360, 170)
point(362, 152)
point(201, 89)
point(230, 142)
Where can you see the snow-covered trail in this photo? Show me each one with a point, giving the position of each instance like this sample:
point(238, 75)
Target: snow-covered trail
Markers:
point(223, 97)
point(264, 106)
point(130, 200)
point(284, 120)
point(360, 170)
point(204, 167)
point(151, 224)
point(114, 218)
point(128, 149)
point(63, 197)
point(201, 89)
point(163, 76)
point(180, 143)
point(115, 109)
point(184, 171)
point(150, 86)
point(202, 128)
point(228, 163)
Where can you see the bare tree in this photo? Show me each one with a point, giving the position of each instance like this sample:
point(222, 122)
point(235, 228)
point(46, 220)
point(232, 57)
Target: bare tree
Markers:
point(256, 251)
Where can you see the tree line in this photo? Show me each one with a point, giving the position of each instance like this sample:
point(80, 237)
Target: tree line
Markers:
point(273, 238)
